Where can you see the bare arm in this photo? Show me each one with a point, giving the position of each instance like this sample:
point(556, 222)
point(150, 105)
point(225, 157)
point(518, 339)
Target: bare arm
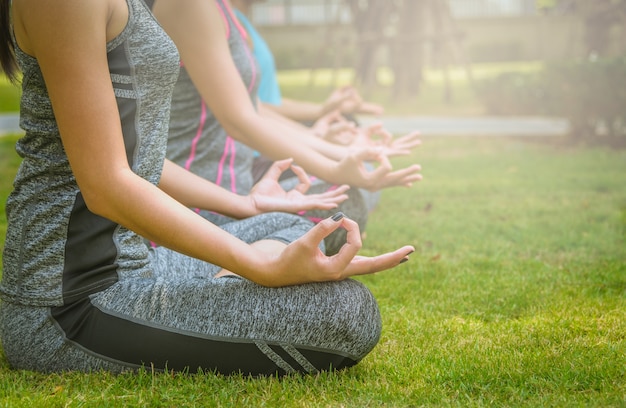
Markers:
point(301, 111)
point(301, 133)
point(266, 196)
point(68, 39)
point(346, 100)
point(199, 33)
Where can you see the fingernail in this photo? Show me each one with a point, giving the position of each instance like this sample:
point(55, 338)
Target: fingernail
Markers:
point(338, 216)
point(406, 257)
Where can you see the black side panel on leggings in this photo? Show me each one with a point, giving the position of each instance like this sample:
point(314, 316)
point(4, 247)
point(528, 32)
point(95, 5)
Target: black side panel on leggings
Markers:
point(138, 344)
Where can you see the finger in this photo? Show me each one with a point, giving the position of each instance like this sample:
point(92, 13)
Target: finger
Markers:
point(332, 194)
point(368, 154)
point(333, 191)
point(386, 136)
point(361, 265)
point(383, 168)
point(303, 178)
point(277, 168)
point(374, 128)
point(323, 228)
point(352, 246)
point(337, 128)
point(410, 136)
point(336, 116)
point(369, 108)
point(344, 126)
point(377, 129)
point(408, 141)
point(404, 177)
point(325, 204)
point(324, 201)
point(394, 152)
point(336, 190)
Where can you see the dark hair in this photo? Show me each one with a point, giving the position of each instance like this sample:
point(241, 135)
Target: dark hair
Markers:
point(7, 50)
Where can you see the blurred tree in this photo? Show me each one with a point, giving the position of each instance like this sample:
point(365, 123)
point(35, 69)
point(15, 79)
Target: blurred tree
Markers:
point(599, 17)
point(404, 28)
point(370, 19)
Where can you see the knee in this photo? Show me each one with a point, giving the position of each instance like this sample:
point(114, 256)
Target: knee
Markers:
point(356, 319)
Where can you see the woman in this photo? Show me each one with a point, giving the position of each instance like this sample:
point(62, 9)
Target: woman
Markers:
point(81, 291)
point(215, 127)
point(345, 100)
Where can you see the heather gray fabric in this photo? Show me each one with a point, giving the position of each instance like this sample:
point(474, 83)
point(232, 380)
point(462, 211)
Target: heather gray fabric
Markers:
point(56, 250)
point(228, 325)
point(80, 292)
point(198, 142)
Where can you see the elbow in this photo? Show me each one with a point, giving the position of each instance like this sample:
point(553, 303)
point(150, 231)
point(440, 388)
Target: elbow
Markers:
point(243, 127)
point(112, 193)
point(96, 203)
point(106, 197)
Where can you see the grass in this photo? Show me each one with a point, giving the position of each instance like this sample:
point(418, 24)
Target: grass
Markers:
point(9, 96)
point(516, 295)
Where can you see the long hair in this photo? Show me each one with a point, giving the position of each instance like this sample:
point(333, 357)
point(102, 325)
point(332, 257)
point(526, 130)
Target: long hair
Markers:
point(7, 50)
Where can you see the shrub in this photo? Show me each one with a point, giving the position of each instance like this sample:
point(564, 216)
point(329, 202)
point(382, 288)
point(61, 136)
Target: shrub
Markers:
point(591, 94)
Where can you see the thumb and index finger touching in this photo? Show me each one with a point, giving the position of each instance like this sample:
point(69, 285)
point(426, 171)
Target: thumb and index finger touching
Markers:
point(346, 263)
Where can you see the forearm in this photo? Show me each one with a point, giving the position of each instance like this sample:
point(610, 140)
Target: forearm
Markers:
point(268, 111)
point(299, 111)
point(150, 212)
point(303, 134)
point(195, 192)
point(277, 141)
point(207, 59)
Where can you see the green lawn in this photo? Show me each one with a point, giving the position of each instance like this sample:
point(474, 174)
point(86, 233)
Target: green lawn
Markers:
point(516, 295)
point(9, 96)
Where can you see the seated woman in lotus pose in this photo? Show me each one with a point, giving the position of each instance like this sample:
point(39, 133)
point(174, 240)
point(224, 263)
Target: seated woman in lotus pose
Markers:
point(81, 291)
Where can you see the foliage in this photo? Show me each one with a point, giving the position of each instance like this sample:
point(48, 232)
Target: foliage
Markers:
point(513, 93)
point(545, 4)
point(589, 93)
point(516, 295)
point(9, 96)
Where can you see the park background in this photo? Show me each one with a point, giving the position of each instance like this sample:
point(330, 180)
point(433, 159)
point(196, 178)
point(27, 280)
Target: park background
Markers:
point(516, 295)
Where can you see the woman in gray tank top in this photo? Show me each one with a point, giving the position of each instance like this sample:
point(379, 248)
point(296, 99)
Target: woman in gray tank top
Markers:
point(81, 291)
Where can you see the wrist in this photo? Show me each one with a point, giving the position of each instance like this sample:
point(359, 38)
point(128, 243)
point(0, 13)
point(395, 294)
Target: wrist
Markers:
point(337, 174)
point(323, 109)
point(264, 263)
point(249, 206)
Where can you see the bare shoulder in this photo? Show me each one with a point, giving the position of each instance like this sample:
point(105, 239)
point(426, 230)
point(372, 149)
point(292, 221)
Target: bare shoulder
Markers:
point(38, 23)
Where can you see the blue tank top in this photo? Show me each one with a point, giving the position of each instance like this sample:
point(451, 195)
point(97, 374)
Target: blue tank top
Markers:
point(269, 90)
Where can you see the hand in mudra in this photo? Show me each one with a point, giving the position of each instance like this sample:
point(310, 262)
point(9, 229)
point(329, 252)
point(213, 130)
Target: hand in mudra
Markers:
point(268, 195)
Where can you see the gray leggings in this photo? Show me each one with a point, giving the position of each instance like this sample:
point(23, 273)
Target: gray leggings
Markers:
point(355, 207)
point(182, 318)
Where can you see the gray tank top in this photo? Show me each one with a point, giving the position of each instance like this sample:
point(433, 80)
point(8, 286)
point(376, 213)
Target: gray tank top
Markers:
point(197, 141)
point(56, 250)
